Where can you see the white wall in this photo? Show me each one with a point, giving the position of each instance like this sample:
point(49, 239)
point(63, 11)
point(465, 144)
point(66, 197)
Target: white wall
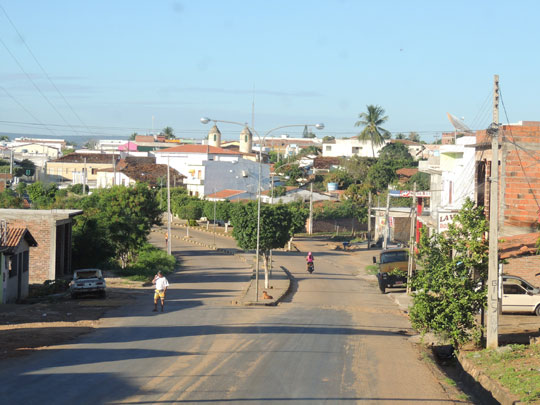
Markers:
point(349, 148)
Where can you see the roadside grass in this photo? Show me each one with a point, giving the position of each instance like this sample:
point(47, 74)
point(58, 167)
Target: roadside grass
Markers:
point(515, 367)
point(372, 269)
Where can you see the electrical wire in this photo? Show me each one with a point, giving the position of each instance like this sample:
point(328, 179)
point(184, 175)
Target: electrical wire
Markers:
point(42, 68)
point(519, 157)
point(34, 83)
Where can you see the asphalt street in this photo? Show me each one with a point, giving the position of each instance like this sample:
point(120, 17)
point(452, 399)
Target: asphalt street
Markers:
point(335, 339)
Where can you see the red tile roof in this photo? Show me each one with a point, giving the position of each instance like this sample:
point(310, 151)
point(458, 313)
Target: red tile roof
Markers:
point(408, 172)
point(15, 235)
point(225, 193)
point(518, 245)
point(90, 158)
point(199, 149)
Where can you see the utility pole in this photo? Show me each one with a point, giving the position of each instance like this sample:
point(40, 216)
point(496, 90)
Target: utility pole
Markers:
point(369, 221)
point(387, 225)
point(169, 236)
point(85, 176)
point(114, 169)
point(492, 340)
point(310, 230)
point(411, 242)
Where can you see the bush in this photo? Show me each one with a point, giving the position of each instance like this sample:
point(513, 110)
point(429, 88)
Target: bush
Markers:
point(150, 260)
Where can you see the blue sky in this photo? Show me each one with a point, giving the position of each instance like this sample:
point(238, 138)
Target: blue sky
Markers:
point(120, 63)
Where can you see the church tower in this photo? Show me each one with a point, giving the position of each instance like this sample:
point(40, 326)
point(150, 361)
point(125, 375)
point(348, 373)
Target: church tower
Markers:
point(214, 137)
point(246, 140)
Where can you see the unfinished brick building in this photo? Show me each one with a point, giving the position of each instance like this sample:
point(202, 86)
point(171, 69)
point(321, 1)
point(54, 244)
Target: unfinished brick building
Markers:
point(51, 229)
point(519, 192)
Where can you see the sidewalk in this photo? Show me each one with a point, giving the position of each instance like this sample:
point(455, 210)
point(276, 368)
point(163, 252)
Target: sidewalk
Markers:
point(279, 285)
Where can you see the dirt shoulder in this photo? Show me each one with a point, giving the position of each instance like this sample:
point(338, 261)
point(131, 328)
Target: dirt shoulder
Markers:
point(54, 320)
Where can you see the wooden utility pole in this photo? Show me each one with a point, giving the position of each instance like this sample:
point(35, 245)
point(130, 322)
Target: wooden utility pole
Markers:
point(411, 242)
point(369, 221)
point(493, 270)
point(386, 232)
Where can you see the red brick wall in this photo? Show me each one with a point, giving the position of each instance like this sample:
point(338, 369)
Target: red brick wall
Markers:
point(526, 267)
point(40, 256)
point(521, 177)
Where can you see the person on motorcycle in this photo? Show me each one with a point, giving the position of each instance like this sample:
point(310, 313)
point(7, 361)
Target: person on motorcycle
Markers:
point(309, 259)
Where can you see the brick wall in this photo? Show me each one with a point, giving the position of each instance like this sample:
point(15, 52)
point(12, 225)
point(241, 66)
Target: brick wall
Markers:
point(40, 256)
point(526, 267)
point(519, 176)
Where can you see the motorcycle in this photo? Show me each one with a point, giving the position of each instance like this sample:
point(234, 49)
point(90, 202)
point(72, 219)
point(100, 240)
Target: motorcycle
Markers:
point(310, 267)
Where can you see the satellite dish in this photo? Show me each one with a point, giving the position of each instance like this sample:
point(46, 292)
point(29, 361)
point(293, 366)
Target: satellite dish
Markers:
point(458, 124)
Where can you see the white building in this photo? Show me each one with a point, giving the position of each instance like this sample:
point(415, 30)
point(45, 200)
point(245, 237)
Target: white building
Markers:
point(452, 172)
point(209, 169)
point(350, 147)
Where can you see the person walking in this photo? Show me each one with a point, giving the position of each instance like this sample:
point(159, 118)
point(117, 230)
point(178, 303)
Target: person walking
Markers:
point(161, 284)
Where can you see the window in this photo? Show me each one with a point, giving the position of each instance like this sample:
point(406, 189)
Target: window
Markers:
point(513, 289)
point(26, 261)
point(328, 148)
point(14, 266)
point(356, 149)
point(245, 138)
point(94, 171)
point(215, 137)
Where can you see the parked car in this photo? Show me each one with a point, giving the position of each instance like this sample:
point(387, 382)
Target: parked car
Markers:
point(506, 278)
point(518, 298)
point(87, 281)
point(393, 264)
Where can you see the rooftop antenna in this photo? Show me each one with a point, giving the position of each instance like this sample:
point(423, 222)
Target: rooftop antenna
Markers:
point(459, 126)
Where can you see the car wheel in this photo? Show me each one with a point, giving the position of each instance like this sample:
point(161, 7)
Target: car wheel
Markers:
point(382, 287)
point(537, 310)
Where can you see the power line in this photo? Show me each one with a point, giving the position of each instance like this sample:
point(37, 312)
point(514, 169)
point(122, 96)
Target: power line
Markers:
point(519, 157)
point(25, 109)
point(42, 68)
point(33, 83)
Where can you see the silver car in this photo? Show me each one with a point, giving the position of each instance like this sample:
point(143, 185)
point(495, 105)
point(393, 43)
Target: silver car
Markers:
point(87, 281)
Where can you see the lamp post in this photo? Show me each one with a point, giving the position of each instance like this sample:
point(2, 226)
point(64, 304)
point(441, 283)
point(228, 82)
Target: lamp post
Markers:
point(206, 120)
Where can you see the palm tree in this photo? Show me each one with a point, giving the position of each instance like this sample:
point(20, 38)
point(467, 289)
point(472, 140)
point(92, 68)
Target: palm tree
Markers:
point(168, 132)
point(372, 121)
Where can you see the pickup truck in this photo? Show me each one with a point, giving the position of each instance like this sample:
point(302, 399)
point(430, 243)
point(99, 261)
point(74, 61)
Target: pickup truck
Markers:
point(392, 272)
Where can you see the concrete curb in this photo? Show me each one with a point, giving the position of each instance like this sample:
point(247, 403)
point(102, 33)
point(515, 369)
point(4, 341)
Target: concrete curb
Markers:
point(268, 303)
point(482, 385)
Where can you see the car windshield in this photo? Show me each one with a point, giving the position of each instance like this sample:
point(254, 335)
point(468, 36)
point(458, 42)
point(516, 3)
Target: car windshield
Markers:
point(87, 274)
point(391, 257)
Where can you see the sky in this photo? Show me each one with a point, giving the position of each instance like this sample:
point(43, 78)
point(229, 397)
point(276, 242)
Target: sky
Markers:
point(113, 67)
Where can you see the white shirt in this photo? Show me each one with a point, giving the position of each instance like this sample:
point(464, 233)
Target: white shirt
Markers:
point(161, 283)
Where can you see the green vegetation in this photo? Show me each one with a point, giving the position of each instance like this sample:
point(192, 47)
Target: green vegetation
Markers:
point(371, 122)
point(149, 261)
point(372, 269)
point(454, 265)
point(514, 367)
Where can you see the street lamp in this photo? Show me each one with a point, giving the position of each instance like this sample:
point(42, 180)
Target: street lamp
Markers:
point(319, 126)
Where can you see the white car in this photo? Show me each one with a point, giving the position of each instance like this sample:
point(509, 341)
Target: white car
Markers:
point(516, 298)
point(86, 281)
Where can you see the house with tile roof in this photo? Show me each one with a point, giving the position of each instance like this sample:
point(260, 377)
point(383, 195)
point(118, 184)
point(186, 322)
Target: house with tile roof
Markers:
point(229, 195)
point(75, 167)
point(15, 247)
point(130, 171)
point(209, 169)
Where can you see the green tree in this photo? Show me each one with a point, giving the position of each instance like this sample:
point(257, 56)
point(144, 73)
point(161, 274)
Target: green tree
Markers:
point(25, 168)
point(328, 138)
point(275, 227)
point(191, 211)
point(279, 191)
point(397, 156)
point(401, 136)
point(422, 180)
point(371, 122)
point(4, 138)
point(414, 136)
point(10, 199)
point(133, 136)
point(299, 214)
point(42, 195)
point(380, 175)
point(341, 177)
point(168, 133)
point(454, 265)
point(357, 167)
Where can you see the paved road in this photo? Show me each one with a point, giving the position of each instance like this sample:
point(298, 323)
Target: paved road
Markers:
point(335, 340)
